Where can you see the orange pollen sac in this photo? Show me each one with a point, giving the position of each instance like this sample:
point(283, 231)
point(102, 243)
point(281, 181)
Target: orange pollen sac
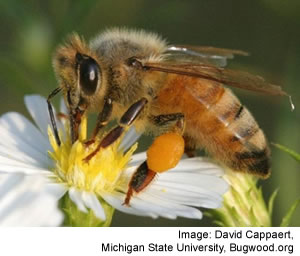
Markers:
point(165, 152)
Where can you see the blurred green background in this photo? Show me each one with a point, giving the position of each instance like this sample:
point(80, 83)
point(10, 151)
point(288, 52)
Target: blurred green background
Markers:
point(268, 29)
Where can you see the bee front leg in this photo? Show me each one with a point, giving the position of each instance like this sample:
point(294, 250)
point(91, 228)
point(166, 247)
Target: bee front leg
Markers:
point(164, 153)
point(126, 120)
point(51, 114)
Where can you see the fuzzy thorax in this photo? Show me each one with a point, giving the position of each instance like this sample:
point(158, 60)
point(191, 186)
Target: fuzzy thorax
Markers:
point(101, 174)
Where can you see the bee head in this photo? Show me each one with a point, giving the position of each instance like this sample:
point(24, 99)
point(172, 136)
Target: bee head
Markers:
point(78, 72)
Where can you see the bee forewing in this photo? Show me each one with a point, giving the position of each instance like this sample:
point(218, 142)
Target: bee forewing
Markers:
point(234, 78)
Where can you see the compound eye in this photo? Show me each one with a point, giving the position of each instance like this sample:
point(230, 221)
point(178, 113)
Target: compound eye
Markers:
point(89, 74)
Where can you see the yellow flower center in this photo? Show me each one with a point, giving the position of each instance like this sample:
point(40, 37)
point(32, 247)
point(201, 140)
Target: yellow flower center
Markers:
point(101, 173)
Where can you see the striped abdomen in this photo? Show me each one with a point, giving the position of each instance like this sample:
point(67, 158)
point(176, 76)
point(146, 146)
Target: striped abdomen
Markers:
point(216, 120)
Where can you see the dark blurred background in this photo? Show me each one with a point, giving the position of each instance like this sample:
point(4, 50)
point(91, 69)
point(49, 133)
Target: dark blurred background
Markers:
point(268, 29)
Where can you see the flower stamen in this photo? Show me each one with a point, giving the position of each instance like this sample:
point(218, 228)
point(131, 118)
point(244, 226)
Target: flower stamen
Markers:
point(101, 173)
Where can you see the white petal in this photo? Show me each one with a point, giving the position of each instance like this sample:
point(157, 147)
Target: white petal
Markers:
point(164, 207)
point(206, 182)
point(21, 138)
point(9, 165)
point(38, 109)
point(25, 202)
point(116, 200)
point(137, 159)
point(10, 157)
point(61, 121)
point(76, 197)
point(130, 138)
point(194, 182)
point(8, 182)
point(92, 202)
point(199, 163)
point(146, 206)
point(181, 196)
point(177, 195)
point(53, 217)
point(56, 189)
point(4, 168)
point(19, 158)
point(63, 108)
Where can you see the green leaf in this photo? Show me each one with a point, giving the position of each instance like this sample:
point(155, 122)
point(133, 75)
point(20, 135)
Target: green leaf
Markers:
point(271, 202)
point(287, 218)
point(292, 153)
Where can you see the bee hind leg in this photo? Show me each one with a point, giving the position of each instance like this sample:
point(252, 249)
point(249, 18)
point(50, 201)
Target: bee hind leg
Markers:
point(139, 180)
point(144, 174)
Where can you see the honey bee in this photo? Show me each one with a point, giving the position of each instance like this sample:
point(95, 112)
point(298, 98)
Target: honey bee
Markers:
point(138, 79)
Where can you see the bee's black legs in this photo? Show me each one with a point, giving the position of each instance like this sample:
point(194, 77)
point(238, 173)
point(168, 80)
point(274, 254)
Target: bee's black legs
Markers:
point(126, 120)
point(74, 118)
point(102, 120)
point(52, 118)
point(139, 180)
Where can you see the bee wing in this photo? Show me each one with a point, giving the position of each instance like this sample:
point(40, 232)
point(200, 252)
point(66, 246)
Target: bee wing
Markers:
point(234, 78)
point(201, 54)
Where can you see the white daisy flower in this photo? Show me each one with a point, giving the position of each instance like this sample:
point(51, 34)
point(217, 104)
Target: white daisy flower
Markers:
point(31, 150)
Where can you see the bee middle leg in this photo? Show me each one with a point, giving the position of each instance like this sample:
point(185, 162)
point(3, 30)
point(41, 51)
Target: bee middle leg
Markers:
point(102, 120)
point(126, 120)
point(143, 175)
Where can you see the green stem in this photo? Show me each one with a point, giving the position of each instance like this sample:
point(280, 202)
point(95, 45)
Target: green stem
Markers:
point(76, 218)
